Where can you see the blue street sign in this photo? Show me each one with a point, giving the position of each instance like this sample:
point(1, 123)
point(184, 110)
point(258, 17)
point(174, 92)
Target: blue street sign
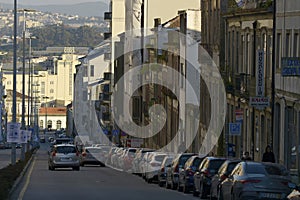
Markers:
point(235, 129)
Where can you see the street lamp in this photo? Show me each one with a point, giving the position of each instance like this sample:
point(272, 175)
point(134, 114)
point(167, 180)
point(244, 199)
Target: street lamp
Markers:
point(23, 78)
point(46, 124)
point(29, 82)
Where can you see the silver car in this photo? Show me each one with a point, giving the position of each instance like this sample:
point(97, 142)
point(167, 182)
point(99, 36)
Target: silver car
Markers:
point(64, 156)
point(92, 156)
point(256, 180)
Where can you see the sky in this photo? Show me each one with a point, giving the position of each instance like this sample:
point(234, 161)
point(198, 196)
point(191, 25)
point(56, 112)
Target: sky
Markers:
point(51, 2)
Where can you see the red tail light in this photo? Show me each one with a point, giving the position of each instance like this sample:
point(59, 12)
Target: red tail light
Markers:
point(83, 154)
point(223, 177)
point(53, 153)
point(206, 172)
point(250, 181)
point(162, 169)
point(190, 172)
point(176, 169)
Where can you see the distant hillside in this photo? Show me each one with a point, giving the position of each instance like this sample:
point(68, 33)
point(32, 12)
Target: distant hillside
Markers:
point(82, 9)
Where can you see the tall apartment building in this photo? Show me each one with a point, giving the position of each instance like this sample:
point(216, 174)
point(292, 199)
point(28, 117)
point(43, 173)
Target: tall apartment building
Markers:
point(287, 82)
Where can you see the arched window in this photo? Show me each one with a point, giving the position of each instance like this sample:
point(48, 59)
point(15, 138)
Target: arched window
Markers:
point(49, 124)
point(58, 124)
point(41, 124)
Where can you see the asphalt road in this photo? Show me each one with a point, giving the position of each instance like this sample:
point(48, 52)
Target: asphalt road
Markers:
point(91, 182)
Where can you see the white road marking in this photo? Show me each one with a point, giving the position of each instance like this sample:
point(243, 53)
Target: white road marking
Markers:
point(21, 195)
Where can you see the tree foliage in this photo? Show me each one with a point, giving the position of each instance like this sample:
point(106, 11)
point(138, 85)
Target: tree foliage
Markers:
point(61, 36)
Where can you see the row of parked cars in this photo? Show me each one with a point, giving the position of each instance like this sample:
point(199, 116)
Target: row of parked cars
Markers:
point(205, 176)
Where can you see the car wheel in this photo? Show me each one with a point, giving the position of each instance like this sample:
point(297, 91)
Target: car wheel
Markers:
point(185, 189)
point(179, 188)
point(149, 180)
point(220, 195)
point(211, 195)
point(168, 186)
point(50, 168)
point(201, 191)
point(173, 185)
point(76, 168)
point(195, 193)
point(82, 164)
point(160, 184)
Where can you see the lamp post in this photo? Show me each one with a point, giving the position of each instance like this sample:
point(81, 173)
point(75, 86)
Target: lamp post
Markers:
point(29, 120)
point(23, 79)
point(14, 104)
point(46, 124)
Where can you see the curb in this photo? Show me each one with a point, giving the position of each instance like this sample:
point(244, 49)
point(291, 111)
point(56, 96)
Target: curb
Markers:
point(19, 179)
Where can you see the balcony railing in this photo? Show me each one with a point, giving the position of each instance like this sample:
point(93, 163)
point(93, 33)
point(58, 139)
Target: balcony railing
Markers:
point(107, 35)
point(242, 84)
point(108, 16)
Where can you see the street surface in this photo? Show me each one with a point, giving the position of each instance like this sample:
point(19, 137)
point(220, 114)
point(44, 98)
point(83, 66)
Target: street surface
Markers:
point(91, 182)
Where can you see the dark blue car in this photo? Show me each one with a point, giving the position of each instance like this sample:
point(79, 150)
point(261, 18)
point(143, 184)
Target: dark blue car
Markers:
point(186, 175)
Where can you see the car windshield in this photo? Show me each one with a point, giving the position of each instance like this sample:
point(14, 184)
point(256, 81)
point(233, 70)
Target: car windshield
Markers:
point(95, 150)
point(266, 169)
point(159, 158)
point(183, 159)
point(66, 149)
point(215, 164)
point(197, 162)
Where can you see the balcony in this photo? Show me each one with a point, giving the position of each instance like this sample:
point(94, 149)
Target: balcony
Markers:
point(107, 16)
point(106, 117)
point(242, 85)
point(107, 76)
point(107, 56)
point(107, 35)
point(104, 97)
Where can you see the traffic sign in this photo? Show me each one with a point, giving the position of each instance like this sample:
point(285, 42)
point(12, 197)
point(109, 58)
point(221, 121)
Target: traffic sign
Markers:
point(259, 102)
point(23, 136)
point(239, 115)
point(235, 129)
point(13, 132)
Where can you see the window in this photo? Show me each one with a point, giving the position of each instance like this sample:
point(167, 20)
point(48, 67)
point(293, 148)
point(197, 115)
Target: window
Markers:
point(51, 91)
point(296, 45)
point(278, 51)
point(92, 70)
point(58, 124)
point(8, 83)
point(49, 124)
point(51, 82)
point(42, 87)
point(287, 45)
point(41, 124)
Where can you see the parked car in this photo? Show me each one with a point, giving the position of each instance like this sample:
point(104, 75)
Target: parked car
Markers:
point(42, 139)
point(223, 173)
point(92, 156)
point(64, 156)
point(186, 175)
point(153, 166)
point(162, 173)
point(2, 145)
point(128, 158)
point(172, 179)
point(202, 178)
point(256, 180)
point(109, 156)
point(138, 158)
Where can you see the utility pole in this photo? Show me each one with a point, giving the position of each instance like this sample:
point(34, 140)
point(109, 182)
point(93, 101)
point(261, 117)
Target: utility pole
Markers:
point(23, 87)
point(14, 104)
